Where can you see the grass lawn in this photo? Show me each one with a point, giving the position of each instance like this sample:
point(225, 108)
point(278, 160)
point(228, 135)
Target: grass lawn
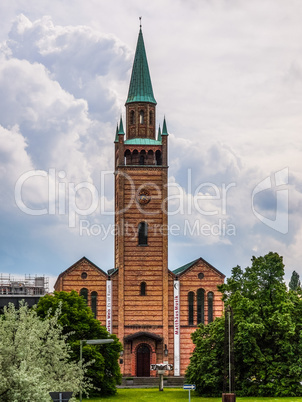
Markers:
point(175, 394)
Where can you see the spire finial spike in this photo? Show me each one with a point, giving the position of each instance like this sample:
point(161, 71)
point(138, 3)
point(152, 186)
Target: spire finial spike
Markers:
point(140, 22)
point(121, 128)
point(165, 131)
point(116, 133)
point(159, 134)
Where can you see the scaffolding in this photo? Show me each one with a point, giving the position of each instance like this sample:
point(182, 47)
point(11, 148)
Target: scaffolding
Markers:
point(27, 285)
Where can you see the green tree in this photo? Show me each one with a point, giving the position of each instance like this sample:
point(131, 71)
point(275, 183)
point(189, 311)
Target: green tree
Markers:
point(268, 335)
point(34, 357)
point(294, 283)
point(77, 320)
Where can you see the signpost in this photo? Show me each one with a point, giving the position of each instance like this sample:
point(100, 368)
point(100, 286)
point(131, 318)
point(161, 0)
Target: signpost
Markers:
point(61, 396)
point(229, 371)
point(189, 387)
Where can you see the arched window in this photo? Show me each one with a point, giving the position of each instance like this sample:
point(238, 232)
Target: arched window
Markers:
point(200, 306)
point(141, 117)
point(127, 157)
point(94, 299)
point(210, 306)
point(158, 157)
point(191, 308)
point(150, 117)
point(142, 157)
point(143, 234)
point(84, 293)
point(150, 157)
point(143, 289)
point(135, 157)
point(132, 120)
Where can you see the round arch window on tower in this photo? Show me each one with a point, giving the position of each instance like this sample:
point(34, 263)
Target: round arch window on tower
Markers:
point(143, 234)
point(141, 117)
point(143, 289)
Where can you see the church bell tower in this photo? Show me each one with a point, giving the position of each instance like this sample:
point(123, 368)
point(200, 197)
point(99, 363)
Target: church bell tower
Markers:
point(151, 309)
point(141, 238)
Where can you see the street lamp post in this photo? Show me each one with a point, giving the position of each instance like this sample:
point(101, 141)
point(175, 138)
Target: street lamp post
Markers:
point(91, 342)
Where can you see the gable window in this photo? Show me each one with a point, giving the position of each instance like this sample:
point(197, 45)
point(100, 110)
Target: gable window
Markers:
point(210, 306)
point(143, 289)
point(84, 293)
point(191, 308)
point(200, 306)
point(94, 297)
point(143, 234)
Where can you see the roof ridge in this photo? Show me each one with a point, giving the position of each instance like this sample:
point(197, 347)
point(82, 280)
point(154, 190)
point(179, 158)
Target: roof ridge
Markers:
point(184, 267)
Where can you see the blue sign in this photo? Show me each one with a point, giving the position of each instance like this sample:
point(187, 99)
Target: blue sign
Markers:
point(190, 386)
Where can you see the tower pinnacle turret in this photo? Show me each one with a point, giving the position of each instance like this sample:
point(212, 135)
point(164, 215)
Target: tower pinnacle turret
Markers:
point(140, 89)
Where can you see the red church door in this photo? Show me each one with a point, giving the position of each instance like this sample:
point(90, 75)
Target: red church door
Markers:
point(143, 361)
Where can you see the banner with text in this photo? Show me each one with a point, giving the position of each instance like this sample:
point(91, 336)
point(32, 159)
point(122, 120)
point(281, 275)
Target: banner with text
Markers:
point(176, 329)
point(109, 306)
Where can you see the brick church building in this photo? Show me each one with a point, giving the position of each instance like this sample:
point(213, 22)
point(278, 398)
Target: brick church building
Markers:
point(151, 309)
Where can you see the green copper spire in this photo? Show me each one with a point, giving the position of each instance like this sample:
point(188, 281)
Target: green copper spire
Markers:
point(140, 89)
point(116, 134)
point(121, 129)
point(165, 132)
point(159, 134)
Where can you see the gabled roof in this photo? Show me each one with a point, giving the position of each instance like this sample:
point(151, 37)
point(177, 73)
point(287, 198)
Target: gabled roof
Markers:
point(83, 259)
point(181, 270)
point(140, 89)
point(184, 267)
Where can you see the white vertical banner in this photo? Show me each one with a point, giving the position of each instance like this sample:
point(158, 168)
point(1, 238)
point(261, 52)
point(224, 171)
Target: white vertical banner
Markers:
point(176, 329)
point(109, 306)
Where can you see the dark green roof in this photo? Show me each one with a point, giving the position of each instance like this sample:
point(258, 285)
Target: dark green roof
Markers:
point(121, 129)
point(165, 131)
point(116, 134)
point(142, 141)
point(184, 267)
point(140, 89)
point(112, 271)
point(159, 134)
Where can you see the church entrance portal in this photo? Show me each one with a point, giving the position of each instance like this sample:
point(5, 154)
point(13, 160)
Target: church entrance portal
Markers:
point(143, 361)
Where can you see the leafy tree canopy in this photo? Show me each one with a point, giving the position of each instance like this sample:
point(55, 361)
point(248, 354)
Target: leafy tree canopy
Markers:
point(294, 283)
point(268, 335)
point(77, 320)
point(34, 357)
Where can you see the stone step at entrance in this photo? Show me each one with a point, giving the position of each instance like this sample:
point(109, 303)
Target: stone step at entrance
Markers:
point(152, 382)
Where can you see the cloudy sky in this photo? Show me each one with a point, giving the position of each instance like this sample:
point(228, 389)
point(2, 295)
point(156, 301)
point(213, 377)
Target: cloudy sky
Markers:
point(227, 74)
